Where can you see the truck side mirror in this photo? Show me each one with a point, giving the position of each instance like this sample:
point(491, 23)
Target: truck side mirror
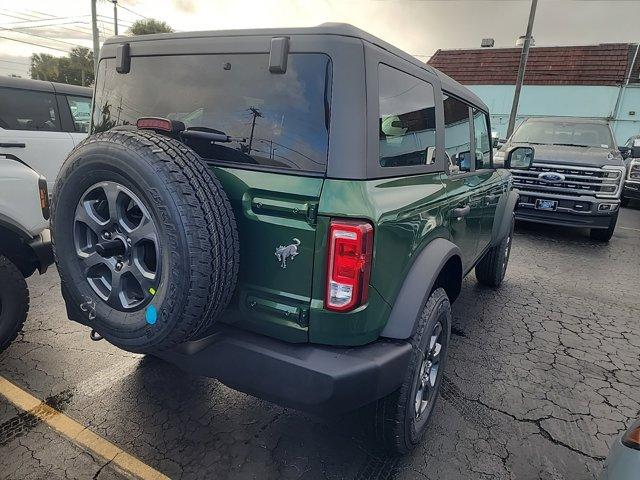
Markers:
point(624, 151)
point(520, 158)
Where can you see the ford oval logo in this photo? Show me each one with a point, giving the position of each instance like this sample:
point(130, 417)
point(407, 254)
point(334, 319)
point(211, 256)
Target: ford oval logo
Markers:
point(551, 177)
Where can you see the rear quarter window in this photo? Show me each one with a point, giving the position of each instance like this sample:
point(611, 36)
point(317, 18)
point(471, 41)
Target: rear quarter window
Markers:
point(407, 123)
point(280, 121)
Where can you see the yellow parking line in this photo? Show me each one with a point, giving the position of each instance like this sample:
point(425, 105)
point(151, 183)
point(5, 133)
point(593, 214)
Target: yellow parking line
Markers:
point(76, 432)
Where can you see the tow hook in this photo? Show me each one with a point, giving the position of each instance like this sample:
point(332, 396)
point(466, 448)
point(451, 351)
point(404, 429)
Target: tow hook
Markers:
point(95, 336)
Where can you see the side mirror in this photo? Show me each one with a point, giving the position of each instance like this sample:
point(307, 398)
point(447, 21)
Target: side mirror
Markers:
point(498, 142)
point(463, 161)
point(624, 151)
point(520, 158)
point(635, 151)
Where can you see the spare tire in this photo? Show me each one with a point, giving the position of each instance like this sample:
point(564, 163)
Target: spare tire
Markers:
point(144, 238)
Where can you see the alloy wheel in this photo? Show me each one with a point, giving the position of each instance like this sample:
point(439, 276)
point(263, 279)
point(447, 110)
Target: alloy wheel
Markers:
point(429, 370)
point(117, 245)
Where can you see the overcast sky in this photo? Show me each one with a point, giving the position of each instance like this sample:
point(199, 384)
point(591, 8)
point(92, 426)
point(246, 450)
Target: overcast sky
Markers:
point(417, 26)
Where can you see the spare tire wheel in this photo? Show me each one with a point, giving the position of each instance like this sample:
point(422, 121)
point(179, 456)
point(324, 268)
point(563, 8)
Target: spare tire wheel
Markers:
point(144, 238)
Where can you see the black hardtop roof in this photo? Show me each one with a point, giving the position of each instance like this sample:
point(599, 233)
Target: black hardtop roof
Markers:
point(45, 86)
point(337, 29)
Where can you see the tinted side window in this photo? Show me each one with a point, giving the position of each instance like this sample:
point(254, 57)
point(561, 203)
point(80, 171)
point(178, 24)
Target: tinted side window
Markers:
point(276, 121)
point(81, 112)
point(28, 110)
point(482, 140)
point(407, 124)
point(457, 136)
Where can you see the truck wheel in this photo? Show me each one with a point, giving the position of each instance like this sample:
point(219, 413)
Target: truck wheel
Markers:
point(491, 269)
point(144, 238)
point(14, 302)
point(401, 418)
point(624, 202)
point(604, 234)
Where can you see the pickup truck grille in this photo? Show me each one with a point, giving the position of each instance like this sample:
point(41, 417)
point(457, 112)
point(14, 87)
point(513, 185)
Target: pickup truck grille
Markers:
point(577, 180)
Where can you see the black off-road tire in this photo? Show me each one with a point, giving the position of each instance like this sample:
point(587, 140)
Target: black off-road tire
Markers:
point(395, 422)
point(196, 229)
point(604, 234)
point(14, 302)
point(624, 202)
point(490, 271)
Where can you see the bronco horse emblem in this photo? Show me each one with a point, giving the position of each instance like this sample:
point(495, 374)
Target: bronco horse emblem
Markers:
point(289, 252)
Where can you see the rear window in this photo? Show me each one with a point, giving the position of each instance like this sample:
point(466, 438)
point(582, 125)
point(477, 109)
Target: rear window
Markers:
point(281, 120)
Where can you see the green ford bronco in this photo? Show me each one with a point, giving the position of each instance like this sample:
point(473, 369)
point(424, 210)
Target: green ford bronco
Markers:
point(288, 211)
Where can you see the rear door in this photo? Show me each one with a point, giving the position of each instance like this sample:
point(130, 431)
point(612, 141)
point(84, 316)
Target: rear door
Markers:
point(30, 129)
point(465, 208)
point(492, 187)
point(276, 218)
point(272, 169)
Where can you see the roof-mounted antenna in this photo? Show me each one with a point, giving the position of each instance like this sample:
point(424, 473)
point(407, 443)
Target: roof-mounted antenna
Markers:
point(278, 54)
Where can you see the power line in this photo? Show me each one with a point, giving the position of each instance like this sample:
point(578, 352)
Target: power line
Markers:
point(17, 63)
point(36, 44)
point(41, 36)
point(131, 11)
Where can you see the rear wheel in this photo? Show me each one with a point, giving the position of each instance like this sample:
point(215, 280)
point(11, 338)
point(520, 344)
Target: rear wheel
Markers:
point(492, 268)
point(604, 234)
point(145, 240)
point(14, 302)
point(402, 417)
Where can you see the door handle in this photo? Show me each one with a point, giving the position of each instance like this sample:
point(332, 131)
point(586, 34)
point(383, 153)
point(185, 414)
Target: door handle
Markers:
point(12, 145)
point(461, 211)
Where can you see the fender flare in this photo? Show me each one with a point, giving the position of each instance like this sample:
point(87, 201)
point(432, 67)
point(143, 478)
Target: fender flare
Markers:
point(503, 217)
point(417, 286)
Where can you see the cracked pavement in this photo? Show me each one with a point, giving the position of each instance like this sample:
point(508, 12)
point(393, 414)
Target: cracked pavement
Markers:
point(542, 376)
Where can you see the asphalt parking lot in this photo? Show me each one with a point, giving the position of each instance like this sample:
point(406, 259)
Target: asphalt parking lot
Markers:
point(543, 374)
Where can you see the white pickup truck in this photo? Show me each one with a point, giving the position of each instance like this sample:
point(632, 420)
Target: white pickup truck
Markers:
point(25, 241)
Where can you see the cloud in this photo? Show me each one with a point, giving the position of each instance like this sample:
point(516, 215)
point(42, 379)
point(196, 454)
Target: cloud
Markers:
point(186, 6)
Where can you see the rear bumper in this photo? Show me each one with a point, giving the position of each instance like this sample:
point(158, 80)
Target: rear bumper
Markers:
point(43, 250)
point(308, 377)
point(572, 211)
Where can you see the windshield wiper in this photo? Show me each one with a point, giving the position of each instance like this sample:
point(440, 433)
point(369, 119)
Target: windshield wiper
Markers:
point(210, 134)
point(570, 145)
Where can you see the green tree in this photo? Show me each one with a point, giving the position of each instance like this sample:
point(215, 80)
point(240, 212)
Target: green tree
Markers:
point(76, 68)
point(149, 26)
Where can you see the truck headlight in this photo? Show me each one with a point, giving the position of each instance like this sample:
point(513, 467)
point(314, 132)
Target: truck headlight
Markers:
point(612, 190)
point(634, 170)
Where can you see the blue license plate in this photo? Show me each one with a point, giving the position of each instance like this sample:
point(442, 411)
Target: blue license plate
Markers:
point(550, 205)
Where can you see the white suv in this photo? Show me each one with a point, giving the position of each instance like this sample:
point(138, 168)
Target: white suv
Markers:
point(41, 122)
point(25, 241)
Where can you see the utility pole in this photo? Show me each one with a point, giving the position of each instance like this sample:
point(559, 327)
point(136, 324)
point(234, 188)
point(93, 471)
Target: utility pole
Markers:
point(523, 63)
point(256, 113)
point(96, 35)
point(115, 17)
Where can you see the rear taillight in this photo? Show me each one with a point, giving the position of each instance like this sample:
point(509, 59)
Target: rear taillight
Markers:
point(43, 191)
point(153, 123)
point(349, 267)
point(631, 438)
